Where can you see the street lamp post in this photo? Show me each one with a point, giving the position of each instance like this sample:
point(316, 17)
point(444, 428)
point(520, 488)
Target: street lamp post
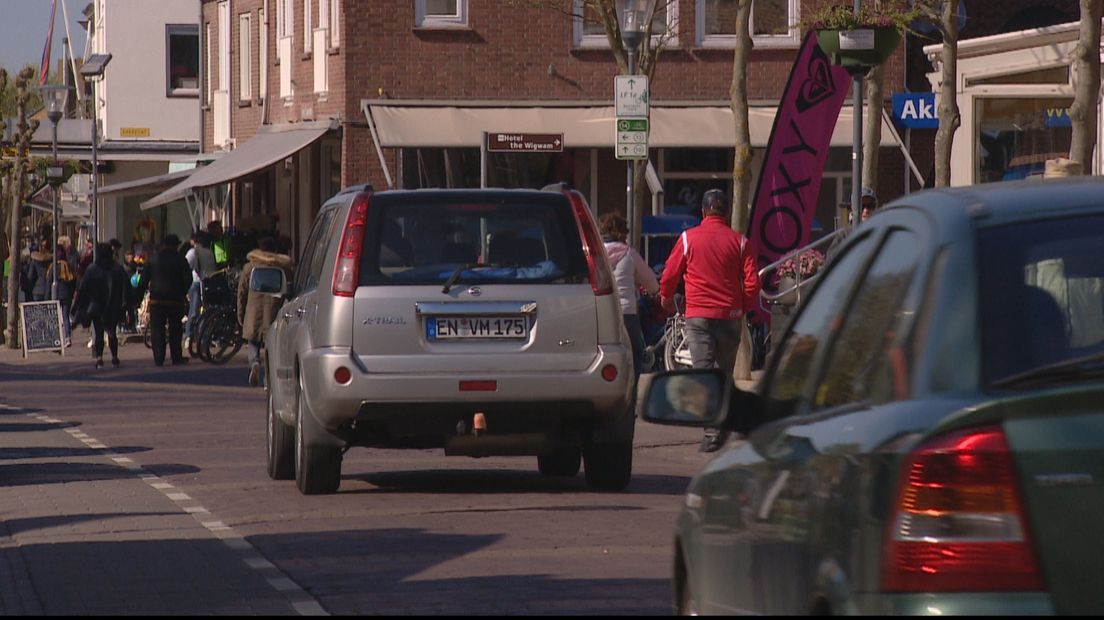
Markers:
point(94, 68)
point(55, 97)
point(634, 17)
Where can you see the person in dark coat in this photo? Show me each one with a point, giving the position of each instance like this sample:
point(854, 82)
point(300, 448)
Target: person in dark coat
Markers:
point(167, 277)
point(101, 301)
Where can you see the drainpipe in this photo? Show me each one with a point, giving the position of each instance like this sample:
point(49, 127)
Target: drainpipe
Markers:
point(202, 78)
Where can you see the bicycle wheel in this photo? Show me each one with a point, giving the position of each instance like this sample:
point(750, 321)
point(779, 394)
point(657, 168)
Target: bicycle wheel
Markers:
point(676, 349)
point(222, 340)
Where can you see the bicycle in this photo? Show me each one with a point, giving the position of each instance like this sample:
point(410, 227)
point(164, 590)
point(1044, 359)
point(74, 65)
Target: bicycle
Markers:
point(216, 336)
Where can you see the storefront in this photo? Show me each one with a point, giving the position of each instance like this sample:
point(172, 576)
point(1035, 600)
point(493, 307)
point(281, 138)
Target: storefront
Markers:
point(439, 143)
point(1015, 90)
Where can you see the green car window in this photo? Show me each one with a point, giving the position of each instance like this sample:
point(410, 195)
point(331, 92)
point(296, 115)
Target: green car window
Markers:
point(866, 363)
point(812, 326)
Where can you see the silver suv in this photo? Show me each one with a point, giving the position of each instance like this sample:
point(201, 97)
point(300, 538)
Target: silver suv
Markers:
point(484, 322)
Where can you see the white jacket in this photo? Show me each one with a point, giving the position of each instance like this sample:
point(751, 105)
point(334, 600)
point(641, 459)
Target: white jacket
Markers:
point(630, 272)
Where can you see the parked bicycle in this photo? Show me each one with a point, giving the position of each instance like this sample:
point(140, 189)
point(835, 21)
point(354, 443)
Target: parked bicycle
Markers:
point(216, 336)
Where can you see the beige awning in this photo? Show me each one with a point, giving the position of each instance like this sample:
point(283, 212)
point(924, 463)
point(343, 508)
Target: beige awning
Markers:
point(271, 144)
point(582, 127)
point(147, 185)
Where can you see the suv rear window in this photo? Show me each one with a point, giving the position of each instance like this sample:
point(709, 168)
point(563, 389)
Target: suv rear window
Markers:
point(1042, 293)
point(490, 238)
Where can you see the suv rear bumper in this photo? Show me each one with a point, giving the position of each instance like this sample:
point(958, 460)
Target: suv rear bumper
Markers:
point(335, 405)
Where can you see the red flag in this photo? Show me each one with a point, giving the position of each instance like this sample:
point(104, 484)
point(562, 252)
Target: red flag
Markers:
point(44, 68)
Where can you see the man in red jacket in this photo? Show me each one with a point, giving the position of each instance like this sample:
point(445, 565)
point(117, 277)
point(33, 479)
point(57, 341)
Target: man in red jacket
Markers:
point(720, 271)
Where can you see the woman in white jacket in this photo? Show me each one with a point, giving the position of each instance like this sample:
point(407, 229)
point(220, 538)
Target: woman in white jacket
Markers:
point(631, 274)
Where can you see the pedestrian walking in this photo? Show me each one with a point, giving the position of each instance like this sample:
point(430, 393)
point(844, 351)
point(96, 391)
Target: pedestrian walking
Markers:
point(631, 274)
point(101, 302)
point(256, 310)
point(167, 278)
point(719, 269)
point(869, 203)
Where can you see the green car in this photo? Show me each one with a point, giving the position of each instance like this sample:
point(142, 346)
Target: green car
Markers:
point(928, 435)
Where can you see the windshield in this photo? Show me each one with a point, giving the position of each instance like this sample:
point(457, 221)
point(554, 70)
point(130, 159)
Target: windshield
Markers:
point(471, 239)
point(1042, 294)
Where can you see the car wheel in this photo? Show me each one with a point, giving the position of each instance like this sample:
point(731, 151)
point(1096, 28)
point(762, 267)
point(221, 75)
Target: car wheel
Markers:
point(281, 445)
point(608, 466)
point(564, 462)
point(317, 468)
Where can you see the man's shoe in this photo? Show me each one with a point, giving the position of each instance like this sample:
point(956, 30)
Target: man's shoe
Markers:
point(183, 360)
point(713, 440)
point(99, 362)
point(115, 362)
point(254, 374)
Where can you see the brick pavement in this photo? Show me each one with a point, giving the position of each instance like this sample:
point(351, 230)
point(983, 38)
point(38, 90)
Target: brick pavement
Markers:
point(85, 530)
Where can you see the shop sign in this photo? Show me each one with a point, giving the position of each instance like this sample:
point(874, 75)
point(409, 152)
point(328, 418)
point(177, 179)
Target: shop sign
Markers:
point(134, 132)
point(915, 110)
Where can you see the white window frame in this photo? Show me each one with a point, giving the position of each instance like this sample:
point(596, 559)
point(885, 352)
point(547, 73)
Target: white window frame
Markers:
point(262, 54)
point(328, 13)
point(335, 23)
point(245, 57)
point(728, 41)
point(669, 39)
point(210, 67)
point(457, 20)
point(308, 27)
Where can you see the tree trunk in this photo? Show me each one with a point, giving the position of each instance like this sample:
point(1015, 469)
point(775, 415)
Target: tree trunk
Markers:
point(1086, 80)
point(949, 117)
point(872, 131)
point(18, 178)
point(741, 160)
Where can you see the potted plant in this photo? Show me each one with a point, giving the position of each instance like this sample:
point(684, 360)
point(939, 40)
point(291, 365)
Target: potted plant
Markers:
point(864, 39)
point(796, 270)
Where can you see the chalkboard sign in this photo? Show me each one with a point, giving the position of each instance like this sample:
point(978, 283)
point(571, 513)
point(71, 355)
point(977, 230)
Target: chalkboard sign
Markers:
point(42, 326)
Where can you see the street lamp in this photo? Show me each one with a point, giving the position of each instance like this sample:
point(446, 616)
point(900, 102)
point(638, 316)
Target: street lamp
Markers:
point(94, 68)
point(55, 97)
point(633, 16)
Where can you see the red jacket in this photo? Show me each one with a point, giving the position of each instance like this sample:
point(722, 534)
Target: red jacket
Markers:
point(719, 267)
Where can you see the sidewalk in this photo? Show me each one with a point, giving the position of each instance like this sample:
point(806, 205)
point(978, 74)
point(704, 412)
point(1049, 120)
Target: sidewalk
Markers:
point(85, 530)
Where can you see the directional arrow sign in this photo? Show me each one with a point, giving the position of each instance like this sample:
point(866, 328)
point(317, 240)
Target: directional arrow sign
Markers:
point(525, 142)
point(631, 95)
point(632, 138)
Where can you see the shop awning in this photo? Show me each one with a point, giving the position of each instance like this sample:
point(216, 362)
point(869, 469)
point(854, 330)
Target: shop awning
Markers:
point(583, 127)
point(271, 144)
point(156, 183)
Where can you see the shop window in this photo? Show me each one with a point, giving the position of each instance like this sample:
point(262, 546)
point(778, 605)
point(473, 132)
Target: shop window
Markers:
point(182, 44)
point(441, 13)
point(774, 23)
point(589, 32)
point(1015, 136)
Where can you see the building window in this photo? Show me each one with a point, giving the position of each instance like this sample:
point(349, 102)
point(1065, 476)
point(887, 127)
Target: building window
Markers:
point(262, 46)
point(441, 13)
point(245, 56)
point(308, 27)
point(208, 66)
point(182, 70)
point(589, 33)
point(774, 23)
point(335, 22)
point(1015, 136)
point(328, 13)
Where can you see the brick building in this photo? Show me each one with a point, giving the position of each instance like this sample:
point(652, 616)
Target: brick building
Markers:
point(311, 95)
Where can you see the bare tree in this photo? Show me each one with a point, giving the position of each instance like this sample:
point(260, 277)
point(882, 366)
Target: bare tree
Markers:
point(872, 131)
point(1086, 80)
point(949, 116)
point(16, 172)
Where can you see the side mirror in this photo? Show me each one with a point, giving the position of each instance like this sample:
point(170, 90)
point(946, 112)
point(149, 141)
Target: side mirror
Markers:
point(694, 397)
point(268, 280)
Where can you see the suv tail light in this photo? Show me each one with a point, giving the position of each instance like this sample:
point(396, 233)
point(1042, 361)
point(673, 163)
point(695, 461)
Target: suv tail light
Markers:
point(958, 523)
point(601, 280)
point(347, 271)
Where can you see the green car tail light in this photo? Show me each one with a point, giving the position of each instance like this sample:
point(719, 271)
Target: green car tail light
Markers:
point(958, 523)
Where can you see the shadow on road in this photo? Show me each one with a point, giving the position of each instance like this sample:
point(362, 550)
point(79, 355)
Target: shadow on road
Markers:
point(497, 481)
point(29, 474)
point(12, 454)
point(194, 373)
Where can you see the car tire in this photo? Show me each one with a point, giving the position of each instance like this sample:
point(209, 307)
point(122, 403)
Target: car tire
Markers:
point(281, 445)
point(317, 468)
point(564, 462)
point(608, 466)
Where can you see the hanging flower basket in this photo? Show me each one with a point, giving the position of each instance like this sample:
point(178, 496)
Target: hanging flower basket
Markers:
point(859, 48)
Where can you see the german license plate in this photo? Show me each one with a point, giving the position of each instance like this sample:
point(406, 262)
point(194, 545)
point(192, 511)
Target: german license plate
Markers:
point(477, 327)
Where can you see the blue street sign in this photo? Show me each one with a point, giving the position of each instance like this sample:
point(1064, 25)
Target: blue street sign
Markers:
point(915, 110)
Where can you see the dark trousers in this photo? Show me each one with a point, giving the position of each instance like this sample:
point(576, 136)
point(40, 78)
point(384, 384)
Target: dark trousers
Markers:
point(99, 328)
point(160, 315)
